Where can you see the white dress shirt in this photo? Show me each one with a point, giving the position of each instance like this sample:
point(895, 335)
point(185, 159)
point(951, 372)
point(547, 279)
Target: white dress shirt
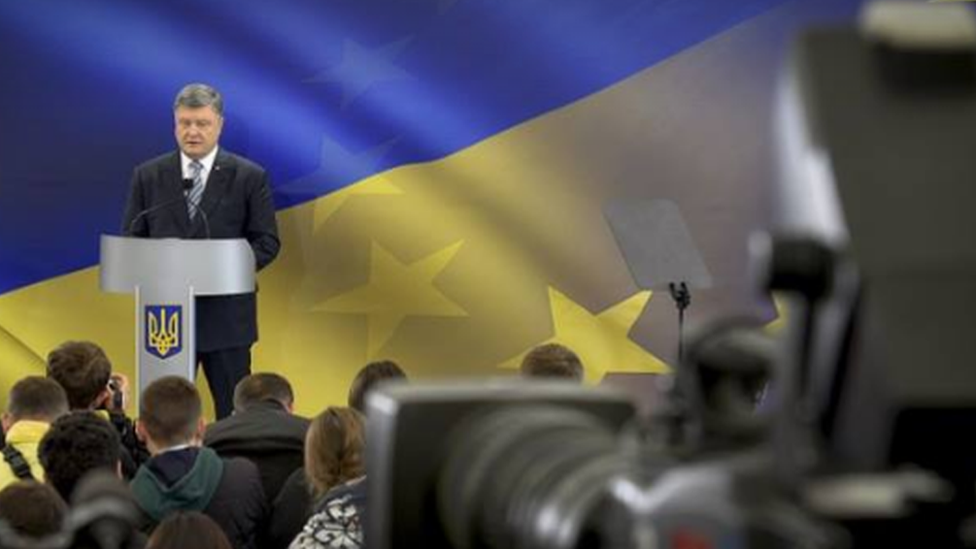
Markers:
point(207, 161)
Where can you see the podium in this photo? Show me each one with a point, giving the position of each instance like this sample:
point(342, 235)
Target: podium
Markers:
point(166, 276)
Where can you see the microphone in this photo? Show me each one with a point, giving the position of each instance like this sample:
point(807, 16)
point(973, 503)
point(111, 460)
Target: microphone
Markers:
point(187, 185)
point(104, 511)
point(151, 209)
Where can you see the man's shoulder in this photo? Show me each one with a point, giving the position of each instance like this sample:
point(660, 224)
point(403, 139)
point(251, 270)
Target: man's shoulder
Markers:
point(241, 475)
point(160, 160)
point(260, 425)
point(241, 163)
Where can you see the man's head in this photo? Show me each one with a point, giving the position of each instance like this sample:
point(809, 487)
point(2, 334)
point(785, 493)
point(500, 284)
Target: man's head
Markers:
point(83, 370)
point(170, 414)
point(35, 398)
point(76, 444)
point(552, 361)
point(367, 378)
point(264, 387)
point(32, 509)
point(199, 115)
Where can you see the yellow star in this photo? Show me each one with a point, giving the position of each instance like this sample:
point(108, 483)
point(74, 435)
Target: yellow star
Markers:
point(776, 326)
point(395, 291)
point(18, 359)
point(325, 207)
point(600, 340)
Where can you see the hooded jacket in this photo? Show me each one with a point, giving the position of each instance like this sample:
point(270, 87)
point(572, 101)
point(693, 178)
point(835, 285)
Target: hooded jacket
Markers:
point(196, 479)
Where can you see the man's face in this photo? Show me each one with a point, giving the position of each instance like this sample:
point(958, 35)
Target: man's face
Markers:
point(197, 130)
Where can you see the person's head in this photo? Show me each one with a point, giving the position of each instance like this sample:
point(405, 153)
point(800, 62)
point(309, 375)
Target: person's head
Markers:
point(184, 529)
point(83, 370)
point(264, 387)
point(367, 378)
point(334, 449)
point(35, 398)
point(553, 361)
point(170, 414)
point(32, 509)
point(199, 115)
point(76, 444)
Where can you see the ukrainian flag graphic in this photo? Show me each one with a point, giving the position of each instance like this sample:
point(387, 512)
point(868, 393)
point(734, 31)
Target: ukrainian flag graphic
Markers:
point(440, 168)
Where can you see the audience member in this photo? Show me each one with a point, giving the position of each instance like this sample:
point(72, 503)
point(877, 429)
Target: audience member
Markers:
point(32, 509)
point(552, 361)
point(182, 475)
point(85, 372)
point(186, 530)
point(75, 444)
point(262, 429)
point(336, 472)
point(369, 377)
point(34, 402)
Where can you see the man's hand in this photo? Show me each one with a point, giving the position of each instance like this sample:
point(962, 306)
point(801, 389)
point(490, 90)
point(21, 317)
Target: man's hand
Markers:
point(118, 385)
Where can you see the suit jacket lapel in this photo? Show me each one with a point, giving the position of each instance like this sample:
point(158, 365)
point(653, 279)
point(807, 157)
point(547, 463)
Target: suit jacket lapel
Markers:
point(172, 181)
point(218, 182)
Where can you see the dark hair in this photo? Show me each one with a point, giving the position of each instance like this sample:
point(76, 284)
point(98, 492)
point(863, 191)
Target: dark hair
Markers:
point(184, 529)
point(82, 369)
point(169, 410)
point(75, 444)
point(263, 387)
point(32, 509)
point(334, 449)
point(37, 398)
point(195, 96)
point(367, 378)
point(552, 360)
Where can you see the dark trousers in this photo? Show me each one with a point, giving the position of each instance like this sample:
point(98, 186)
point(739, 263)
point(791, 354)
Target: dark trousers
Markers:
point(224, 368)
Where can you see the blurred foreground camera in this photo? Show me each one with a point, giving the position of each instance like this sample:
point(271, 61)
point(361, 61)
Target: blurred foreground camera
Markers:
point(497, 465)
point(867, 401)
point(536, 465)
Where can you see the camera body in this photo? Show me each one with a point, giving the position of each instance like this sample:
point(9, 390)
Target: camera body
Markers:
point(416, 432)
point(117, 392)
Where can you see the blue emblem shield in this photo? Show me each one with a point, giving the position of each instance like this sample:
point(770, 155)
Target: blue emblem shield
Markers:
point(164, 337)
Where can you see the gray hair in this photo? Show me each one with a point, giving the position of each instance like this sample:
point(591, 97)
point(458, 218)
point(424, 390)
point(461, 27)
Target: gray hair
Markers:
point(194, 96)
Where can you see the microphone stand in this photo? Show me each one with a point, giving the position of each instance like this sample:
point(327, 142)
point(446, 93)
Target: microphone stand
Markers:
point(682, 299)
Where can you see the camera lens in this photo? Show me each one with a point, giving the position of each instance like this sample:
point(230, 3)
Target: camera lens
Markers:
point(532, 476)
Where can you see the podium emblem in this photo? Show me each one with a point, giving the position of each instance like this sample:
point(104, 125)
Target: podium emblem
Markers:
point(164, 337)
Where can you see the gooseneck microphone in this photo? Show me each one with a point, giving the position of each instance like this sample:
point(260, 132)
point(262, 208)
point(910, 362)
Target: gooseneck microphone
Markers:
point(151, 209)
point(187, 185)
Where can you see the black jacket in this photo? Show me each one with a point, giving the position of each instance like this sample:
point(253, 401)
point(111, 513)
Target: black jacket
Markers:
point(134, 451)
point(289, 512)
point(238, 204)
point(196, 479)
point(267, 435)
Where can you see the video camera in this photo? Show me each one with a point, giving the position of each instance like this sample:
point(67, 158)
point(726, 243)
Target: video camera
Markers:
point(870, 397)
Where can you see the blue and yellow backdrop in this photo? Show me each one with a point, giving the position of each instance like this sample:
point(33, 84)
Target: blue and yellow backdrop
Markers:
point(439, 166)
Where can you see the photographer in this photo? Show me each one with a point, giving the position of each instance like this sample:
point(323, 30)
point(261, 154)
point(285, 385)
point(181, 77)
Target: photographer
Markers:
point(84, 371)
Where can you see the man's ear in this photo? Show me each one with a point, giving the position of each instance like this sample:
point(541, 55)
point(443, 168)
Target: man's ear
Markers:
point(7, 420)
point(140, 431)
point(201, 429)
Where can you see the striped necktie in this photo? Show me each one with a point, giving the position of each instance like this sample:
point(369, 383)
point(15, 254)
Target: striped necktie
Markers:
point(193, 198)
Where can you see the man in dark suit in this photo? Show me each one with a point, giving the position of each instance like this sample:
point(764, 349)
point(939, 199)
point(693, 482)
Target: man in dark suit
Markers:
point(203, 191)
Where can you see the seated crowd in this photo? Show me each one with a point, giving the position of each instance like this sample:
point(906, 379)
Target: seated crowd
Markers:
point(262, 477)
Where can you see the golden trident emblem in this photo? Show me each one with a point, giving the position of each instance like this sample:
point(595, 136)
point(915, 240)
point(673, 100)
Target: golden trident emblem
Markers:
point(163, 334)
